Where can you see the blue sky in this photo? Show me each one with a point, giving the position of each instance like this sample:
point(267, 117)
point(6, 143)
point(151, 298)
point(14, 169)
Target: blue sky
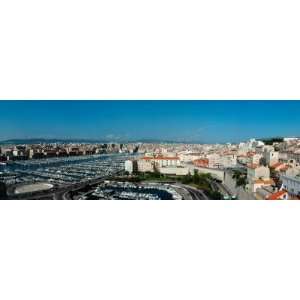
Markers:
point(197, 121)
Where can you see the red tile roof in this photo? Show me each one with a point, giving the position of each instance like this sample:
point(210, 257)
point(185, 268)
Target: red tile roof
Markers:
point(276, 165)
point(201, 162)
point(276, 196)
point(250, 154)
point(252, 166)
point(284, 168)
point(204, 160)
point(160, 158)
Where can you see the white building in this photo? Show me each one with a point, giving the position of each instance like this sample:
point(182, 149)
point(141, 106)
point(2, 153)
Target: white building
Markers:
point(252, 144)
point(291, 182)
point(130, 166)
point(290, 139)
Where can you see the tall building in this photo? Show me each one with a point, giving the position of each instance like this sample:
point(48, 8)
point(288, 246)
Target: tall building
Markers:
point(131, 166)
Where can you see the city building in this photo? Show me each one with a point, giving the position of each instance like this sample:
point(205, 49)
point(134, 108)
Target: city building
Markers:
point(145, 165)
point(271, 156)
point(131, 166)
point(178, 171)
point(202, 162)
point(278, 167)
point(291, 182)
point(279, 195)
point(257, 172)
point(257, 177)
point(255, 158)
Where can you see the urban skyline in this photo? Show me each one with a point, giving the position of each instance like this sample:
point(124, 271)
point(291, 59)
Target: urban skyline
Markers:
point(254, 169)
point(177, 121)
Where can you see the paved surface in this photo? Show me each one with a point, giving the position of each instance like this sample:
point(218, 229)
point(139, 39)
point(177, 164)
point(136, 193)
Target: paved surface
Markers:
point(62, 193)
point(219, 187)
point(195, 193)
point(33, 187)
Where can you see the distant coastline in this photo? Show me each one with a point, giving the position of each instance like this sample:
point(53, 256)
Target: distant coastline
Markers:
point(21, 141)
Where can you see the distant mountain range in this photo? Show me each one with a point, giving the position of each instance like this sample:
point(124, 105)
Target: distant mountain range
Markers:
point(90, 141)
point(267, 140)
point(45, 141)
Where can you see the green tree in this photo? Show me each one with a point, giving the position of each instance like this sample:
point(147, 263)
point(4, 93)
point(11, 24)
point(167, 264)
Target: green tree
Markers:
point(241, 181)
point(215, 195)
point(3, 192)
point(187, 179)
point(196, 177)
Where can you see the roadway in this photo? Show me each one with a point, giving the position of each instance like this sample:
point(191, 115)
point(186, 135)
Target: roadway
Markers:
point(217, 186)
point(62, 193)
point(195, 193)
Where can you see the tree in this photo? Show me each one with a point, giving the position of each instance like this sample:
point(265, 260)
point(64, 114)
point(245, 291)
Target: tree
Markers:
point(263, 161)
point(215, 195)
point(271, 141)
point(187, 178)
point(236, 174)
point(241, 181)
point(196, 177)
point(3, 191)
point(156, 170)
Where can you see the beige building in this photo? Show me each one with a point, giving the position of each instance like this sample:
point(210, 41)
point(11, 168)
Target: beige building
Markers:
point(255, 159)
point(163, 161)
point(180, 171)
point(214, 160)
point(188, 157)
point(220, 161)
point(149, 163)
point(257, 172)
point(260, 183)
point(258, 176)
point(271, 157)
point(145, 165)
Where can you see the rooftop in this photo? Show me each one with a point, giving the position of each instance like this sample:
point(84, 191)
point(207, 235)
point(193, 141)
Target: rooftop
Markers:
point(276, 196)
point(160, 158)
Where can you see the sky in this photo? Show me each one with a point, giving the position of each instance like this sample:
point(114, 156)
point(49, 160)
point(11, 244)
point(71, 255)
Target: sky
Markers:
point(190, 121)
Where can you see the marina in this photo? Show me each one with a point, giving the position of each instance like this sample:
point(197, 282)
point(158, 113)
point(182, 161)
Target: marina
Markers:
point(63, 171)
point(132, 191)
